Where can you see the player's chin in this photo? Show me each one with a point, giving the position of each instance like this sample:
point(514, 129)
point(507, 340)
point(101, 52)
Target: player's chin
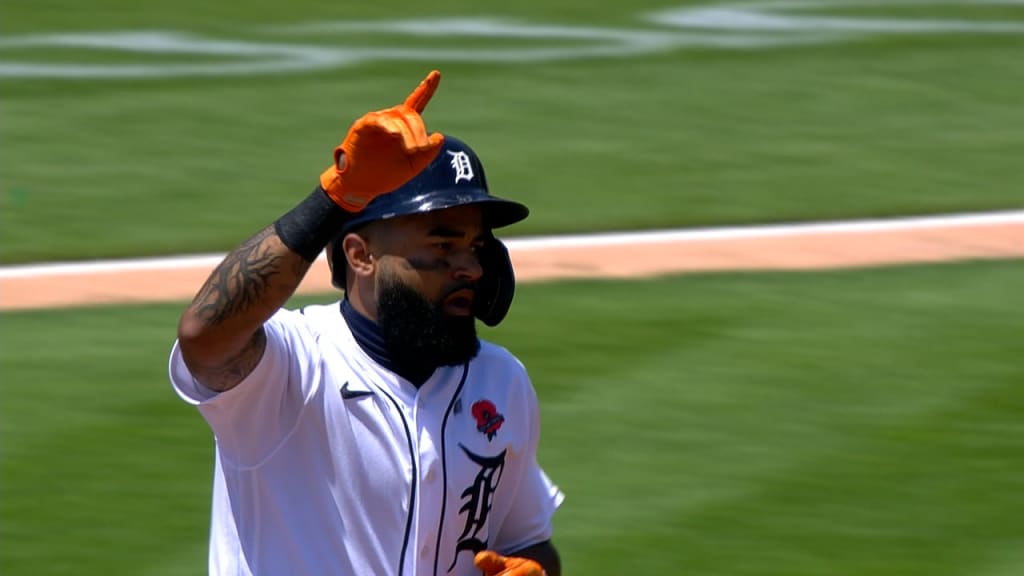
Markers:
point(458, 310)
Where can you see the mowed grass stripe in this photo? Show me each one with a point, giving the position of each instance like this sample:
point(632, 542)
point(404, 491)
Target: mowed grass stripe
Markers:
point(709, 406)
point(812, 423)
point(884, 125)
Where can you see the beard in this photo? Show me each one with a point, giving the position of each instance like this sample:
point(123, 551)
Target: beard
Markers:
point(418, 334)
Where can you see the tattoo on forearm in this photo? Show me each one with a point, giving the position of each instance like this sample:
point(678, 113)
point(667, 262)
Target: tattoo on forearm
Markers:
point(242, 279)
point(245, 289)
point(233, 370)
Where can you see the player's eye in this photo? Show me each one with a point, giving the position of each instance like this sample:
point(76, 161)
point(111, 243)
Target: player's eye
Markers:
point(444, 246)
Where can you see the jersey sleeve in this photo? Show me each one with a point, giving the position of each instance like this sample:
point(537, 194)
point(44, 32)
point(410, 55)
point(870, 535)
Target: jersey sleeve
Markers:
point(536, 499)
point(252, 419)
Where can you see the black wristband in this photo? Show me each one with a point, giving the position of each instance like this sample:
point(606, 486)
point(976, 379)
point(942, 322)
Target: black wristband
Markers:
point(308, 227)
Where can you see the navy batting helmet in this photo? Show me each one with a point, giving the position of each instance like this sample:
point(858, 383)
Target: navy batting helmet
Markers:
point(454, 178)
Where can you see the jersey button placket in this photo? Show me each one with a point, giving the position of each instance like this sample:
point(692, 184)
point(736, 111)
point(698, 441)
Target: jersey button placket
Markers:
point(408, 413)
point(430, 479)
point(427, 453)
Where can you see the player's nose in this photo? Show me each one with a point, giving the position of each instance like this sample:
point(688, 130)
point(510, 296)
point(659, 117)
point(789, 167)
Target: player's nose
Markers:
point(466, 266)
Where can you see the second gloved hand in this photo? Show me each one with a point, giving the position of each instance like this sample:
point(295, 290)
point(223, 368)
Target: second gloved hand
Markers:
point(493, 564)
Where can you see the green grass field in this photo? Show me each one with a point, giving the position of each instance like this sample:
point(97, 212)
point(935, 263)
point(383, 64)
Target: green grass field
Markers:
point(871, 125)
point(832, 423)
point(699, 425)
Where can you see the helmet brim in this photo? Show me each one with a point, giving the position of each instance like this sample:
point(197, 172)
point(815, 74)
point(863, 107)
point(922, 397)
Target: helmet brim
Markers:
point(497, 212)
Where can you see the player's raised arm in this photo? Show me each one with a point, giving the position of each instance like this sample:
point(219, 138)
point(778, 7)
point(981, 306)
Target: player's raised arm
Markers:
point(220, 334)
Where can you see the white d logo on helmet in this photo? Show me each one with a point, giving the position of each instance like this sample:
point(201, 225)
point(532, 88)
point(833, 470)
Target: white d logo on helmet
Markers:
point(460, 163)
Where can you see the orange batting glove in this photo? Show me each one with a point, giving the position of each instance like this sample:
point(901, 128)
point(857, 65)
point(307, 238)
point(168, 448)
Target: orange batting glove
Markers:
point(494, 564)
point(383, 150)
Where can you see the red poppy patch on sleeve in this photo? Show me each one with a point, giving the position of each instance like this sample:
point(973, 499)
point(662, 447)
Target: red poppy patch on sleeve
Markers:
point(488, 420)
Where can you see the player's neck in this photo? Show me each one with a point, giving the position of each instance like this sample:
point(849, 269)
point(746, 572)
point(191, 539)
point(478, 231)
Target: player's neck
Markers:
point(367, 335)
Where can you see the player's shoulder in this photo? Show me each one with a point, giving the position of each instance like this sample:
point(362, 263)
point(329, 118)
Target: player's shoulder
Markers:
point(314, 318)
point(500, 376)
point(499, 357)
point(320, 313)
point(495, 352)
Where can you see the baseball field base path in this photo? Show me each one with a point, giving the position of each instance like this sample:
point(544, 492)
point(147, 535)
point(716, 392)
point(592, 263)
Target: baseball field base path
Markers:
point(860, 243)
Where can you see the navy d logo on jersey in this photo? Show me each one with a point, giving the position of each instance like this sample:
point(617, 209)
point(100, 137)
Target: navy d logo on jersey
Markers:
point(488, 420)
point(476, 501)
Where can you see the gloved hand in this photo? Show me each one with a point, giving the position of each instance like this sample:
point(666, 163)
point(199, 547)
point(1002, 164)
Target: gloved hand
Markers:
point(494, 564)
point(383, 150)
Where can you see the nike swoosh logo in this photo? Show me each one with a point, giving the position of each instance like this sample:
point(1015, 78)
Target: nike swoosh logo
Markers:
point(348, 394)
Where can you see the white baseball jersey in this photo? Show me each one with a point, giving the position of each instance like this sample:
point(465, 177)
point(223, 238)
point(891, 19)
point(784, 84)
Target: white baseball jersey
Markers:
point(328, 463)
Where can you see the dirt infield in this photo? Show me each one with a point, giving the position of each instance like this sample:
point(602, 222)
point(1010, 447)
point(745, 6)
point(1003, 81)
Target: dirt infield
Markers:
point(794, 247)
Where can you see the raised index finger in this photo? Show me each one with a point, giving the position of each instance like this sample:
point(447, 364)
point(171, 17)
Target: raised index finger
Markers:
point(421, 95)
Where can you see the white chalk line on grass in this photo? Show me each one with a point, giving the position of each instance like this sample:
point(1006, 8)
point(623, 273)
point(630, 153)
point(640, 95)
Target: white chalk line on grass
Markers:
point(327, 44)
point(541, 243)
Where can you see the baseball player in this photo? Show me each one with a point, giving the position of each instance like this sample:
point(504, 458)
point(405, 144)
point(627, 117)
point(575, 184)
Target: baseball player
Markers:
point(376, 435)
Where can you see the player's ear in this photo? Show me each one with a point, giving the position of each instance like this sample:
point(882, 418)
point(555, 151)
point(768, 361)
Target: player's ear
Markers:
point(357, 254)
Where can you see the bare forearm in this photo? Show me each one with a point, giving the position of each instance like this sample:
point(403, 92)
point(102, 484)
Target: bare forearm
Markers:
point(250, 283)
point(220, 333)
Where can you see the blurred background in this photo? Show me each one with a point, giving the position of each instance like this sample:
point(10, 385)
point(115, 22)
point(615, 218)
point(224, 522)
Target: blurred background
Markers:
point(834, 422)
